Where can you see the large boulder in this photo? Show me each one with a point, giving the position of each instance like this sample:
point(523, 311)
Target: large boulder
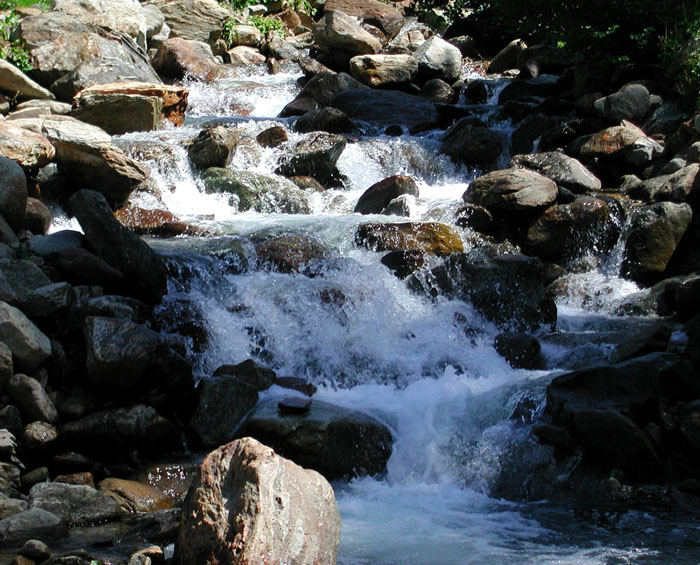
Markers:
point(320, 90)
point(566, 171)
point(653, 237)
point(76, 504)
point(631, 102)
point(339, 32)
point(178, 57)
point(226, 398)
point(30, 346)
point(28, 149)
point(437, 58)
point(512, 192)
point(128, 16)
point(119, 113)
point(330, 120)
point(378, 196)
point(508, 290)
point(248, 505)
point(101, 71)
point(15, 83)
point(124, 357)
point(198, 20)
point(334, 441)
point(606, 143)
point(255, 191)
point(566, 229)
point(121, 248)
point(471, 143)
point(374, 12)
point(432, 238)
point(34, 523)
point(316, 156)
point(384, 71)
point(13, 191)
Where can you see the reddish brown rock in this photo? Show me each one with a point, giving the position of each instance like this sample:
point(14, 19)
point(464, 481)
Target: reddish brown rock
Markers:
point(133, 496)
point(431, 237)
point(177, 57)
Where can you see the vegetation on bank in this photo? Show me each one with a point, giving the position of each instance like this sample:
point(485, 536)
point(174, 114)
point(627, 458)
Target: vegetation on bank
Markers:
point(14, 50)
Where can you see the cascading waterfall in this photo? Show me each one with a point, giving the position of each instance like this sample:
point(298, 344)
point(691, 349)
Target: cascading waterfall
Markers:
point(426, 368)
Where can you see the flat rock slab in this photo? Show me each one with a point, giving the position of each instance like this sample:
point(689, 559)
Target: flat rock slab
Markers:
point(77, 504)
point(13, 81)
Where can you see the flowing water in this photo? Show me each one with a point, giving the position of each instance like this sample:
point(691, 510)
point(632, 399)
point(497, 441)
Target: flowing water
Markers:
point(426, 368)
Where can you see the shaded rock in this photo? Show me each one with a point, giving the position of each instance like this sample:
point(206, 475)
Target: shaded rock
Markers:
point(475, 217)
point(198, 20)
point(31, 524)
point(324, 119)
point(437, 58)
point(643, 342)
point(254, 191)
point(521, 350)
point(76, 504)
point(531, 90)
point(178, 57)
point(381, 193)
point(631, 102)
point(30, 347)
point(387, 107)
point(15, 82)
point(384, 71)
point(320, 90)
point(40, 438)
point(570, 228)
point(471, 144)
point(280, 49)
point(652, 239)
point(118, 246)
point(132, 496)
point(438, 91)
point(430, 237)
point(101, 71)
point(315, 156)
point(339, 32)
point(213, 147)
point(294, 405)
point(23, 276)
point(117, 307)
point(247, 504)
point(399, 206)
point(290, 253)
point(13, 192)
point(37, 217)
point(35, 550)
point(30, 396)
point(272, 137)
point(507, 58)
point(690, 424)
point(512, 192)
point(676, 186)
point(122, 430)
point(6, 366)
point(508, 290)
point(80, 267)
point(566, 171)
point(335, 441)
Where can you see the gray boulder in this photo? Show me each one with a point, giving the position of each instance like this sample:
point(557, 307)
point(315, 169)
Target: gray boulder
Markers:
point(34, 523)
point(566, 171)
point(198, 20)
point(512, 192)
point(380, 194)
point(384, 71)
point(320, 90)
point(316, 156)
point(339, 32)
point(120, 247)
point(13, 192)
point(631, 102)
point(334, 441)
point(13, 82)
point(6, 366)
point(330, 120)
point(75, 504)
point(128, 16)
point(437, 58)
point(247, 504)
point(30, 347)
point(213, 147)
point(254, 191)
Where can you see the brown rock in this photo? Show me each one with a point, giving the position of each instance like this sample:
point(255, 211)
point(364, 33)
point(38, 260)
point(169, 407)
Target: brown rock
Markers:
point(133, 496)
point(272, 137)
point(177, 57)
point(431, 237)
point(30, 150)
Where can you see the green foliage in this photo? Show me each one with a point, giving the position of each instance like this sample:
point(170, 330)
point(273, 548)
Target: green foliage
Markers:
point(13, 50)
point(303, 6)
point(267, 24)
point(240, 5)
point(44, 5)
point(680, 53)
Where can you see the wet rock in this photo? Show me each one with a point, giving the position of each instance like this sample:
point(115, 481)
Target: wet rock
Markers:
point(11, 419)
point(387, 107)
point(399, 206)
point(6, 366)
point(437, 58)
point(508, 290)
point(40, 438)
point(32, 523)
point(31, 397)
point(471, 144)
point(13, 191)
point(335, 441)
point(245, 35)
point(133, 496)
point(290, 253)
point(324, 119)
point(384, 71)
point(296, 383)
point(30, 150)
point(214, 147)
point(676, 186)
point(606, 143)
point(247, 503)
point(80, 267)
point(521, 350)
point(320, 90)
point(272, 137)
point(339, 32)
point(512, 192)
point(653, 237)
point(507, 58)
point(316, 155)
point(631, 102)
point(100, 71)
point(118, 246)
point(566, 171)
point(76, 504)
point(35, 550)
point(475, 217)
point(644, 341)
point(83, 478)
point(154, 221)
point(178, 57)
point(294, 405)
point(566, 229)
point(118, 430)
point(431, 237)
point(30, 347)
point(381, 193)
point(254, 191)
point(437, 90)
point(534, 89)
